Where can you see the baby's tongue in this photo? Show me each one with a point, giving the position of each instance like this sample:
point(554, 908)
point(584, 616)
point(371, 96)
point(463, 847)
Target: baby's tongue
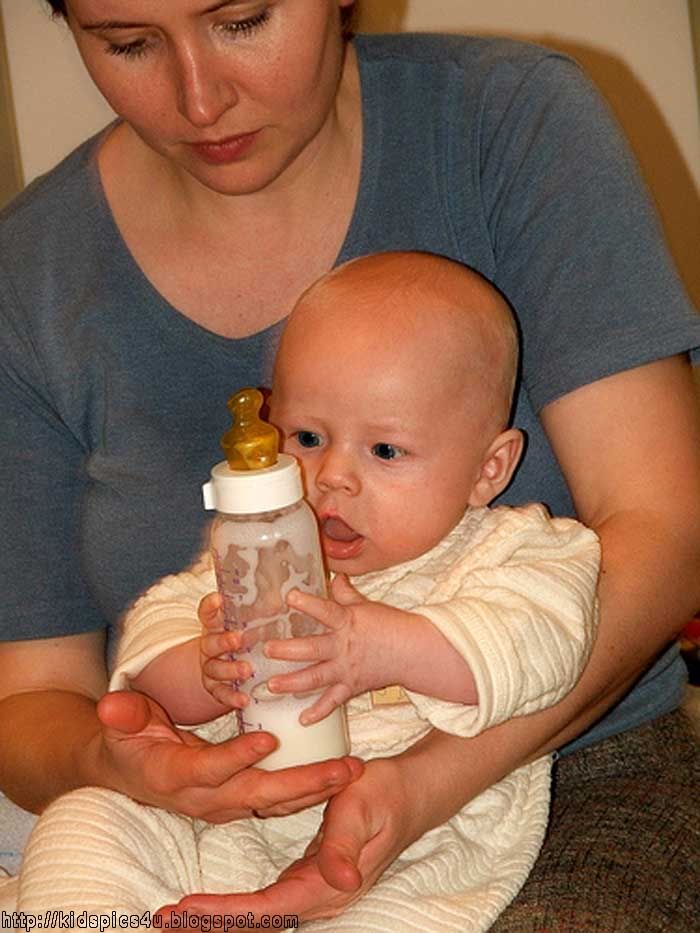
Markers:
point(337, 530)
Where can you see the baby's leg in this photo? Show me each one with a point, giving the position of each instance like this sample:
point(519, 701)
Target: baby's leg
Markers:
point(96, 850)
point(250, 854)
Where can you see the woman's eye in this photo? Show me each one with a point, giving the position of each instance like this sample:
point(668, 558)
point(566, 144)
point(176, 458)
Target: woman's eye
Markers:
point(241, 28)
point(130, 49)
point(387, 451)
point(308, 439)
point(245, 27)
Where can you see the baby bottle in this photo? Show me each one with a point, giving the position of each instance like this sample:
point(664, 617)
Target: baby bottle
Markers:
point(264, 542)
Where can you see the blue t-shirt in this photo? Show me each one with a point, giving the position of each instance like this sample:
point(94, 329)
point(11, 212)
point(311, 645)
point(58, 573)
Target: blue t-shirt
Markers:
point(494, 153)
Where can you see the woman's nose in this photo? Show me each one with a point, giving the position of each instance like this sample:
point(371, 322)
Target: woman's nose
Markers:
point(338, 473)
point(204, 92)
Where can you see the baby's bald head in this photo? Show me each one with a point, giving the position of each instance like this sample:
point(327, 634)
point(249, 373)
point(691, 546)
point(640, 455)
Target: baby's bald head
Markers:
point(437, 319)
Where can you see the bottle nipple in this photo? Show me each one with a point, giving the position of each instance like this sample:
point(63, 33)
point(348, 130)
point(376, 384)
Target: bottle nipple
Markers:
point(251, 444)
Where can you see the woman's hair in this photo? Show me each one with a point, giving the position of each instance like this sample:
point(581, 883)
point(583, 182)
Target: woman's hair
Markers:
point(346, 14)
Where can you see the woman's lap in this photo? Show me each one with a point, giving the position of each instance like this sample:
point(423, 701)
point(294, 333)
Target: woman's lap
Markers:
point(622, 852)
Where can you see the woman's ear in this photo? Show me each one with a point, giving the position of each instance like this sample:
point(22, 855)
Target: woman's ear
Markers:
point(497, 467)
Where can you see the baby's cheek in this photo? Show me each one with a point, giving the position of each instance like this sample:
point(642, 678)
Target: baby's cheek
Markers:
point(308, 476)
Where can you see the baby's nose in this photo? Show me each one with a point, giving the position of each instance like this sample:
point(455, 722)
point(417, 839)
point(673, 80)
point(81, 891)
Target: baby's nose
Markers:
point(338, 472)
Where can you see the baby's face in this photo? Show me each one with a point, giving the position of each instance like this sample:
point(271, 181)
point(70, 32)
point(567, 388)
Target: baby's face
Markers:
point(389, 456)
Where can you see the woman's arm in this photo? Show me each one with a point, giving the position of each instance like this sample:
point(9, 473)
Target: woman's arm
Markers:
point(47, 714)
point(629, 446)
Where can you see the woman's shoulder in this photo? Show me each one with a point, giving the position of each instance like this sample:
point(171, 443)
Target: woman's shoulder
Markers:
point(480, 76)
point(470, 53)
point(53, 199)
point(53, 234)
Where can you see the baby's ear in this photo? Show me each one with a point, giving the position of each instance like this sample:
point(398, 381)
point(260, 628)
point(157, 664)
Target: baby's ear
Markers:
point(497, 467)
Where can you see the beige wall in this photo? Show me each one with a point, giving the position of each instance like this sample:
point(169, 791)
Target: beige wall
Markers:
point(56, 105)
point(10, 168)
point(638, 51)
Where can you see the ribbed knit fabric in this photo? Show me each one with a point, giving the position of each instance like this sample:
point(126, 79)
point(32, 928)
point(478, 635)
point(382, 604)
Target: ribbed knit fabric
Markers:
point(523, 583)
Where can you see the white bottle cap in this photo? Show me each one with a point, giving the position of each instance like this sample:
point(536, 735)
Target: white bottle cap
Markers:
point(247, 492)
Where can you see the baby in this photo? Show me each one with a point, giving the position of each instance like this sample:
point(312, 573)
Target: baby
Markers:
point(393, 386)
point(392, 451)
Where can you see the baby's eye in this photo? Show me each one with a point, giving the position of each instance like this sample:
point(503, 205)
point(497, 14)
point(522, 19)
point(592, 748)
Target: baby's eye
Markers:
point(308, 439)
point(387, 451)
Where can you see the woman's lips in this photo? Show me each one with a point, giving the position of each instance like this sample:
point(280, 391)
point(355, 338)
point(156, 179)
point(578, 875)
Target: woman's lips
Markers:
point(225, 150)
point(339, 540)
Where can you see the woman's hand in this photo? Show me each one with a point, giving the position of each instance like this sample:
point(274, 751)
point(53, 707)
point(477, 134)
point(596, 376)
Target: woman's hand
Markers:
point(141, 753)
point(364, 829)
point(55, 738)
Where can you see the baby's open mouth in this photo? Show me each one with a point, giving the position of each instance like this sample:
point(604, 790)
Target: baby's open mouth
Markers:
point(339, 540)
point(338, 530)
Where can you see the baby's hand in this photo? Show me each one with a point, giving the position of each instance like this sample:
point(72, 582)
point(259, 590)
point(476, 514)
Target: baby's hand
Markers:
point(349, 659)
point(220, 671)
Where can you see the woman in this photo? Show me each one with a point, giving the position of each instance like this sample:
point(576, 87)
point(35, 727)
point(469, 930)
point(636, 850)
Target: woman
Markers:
point(149, 276)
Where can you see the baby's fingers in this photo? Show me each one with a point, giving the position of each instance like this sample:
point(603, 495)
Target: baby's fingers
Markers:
point(344, 592)
point(227, 695)
point(226, 669)
point(210, 611)
point(215, 644)
point(312, 648)
point(325, 611)
point(307, 680)
point(329, 700)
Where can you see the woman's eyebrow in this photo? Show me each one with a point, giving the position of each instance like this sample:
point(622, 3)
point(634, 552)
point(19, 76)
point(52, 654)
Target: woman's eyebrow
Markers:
point(109, 24)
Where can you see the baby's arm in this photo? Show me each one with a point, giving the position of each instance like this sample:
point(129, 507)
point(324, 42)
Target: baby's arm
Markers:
point(369, 645)
point(518, 610)
point(161, 647)
point(525, 617)
point(177, 678)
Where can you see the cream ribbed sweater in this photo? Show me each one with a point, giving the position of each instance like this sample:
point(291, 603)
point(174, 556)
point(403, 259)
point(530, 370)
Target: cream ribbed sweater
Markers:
point(513, 590)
